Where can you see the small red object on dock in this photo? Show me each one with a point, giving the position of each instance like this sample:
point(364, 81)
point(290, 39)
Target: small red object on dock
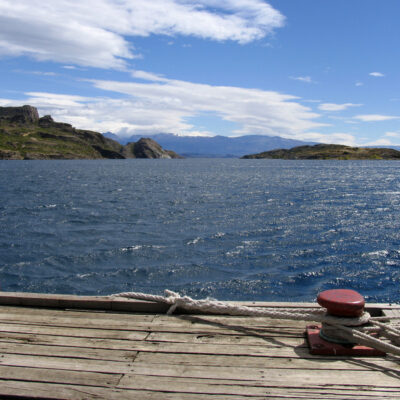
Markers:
point(342, 302)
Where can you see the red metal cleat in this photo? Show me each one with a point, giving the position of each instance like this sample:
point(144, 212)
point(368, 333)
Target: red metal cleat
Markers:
point(341, 303)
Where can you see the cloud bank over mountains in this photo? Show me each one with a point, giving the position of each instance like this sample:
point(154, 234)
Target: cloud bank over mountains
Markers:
point(166, 105)
point(157, 104)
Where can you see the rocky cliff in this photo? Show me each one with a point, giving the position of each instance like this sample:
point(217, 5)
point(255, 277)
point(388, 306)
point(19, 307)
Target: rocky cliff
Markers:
point(22, 115)
point(25, 136)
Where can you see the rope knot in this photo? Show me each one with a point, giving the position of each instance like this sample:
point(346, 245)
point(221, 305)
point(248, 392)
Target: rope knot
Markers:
point(173, 299)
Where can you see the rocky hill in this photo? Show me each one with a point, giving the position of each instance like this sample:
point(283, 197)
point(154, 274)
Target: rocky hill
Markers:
point(147, 148)
point(26, 136)
point(330, 152)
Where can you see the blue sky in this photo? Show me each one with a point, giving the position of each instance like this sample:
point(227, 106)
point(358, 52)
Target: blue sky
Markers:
point(326, 71)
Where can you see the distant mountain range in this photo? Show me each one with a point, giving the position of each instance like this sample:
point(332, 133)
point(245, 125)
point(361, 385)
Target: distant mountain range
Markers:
point(216, 146)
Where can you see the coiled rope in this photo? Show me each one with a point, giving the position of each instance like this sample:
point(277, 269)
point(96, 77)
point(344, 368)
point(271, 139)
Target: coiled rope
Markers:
point(352, 329)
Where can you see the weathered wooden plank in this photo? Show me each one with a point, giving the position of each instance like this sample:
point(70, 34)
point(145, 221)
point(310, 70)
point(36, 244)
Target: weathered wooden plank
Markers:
point(234, 340)
point(334, 394)
point(43, 315)
point(173, 324)
point(74, 392)
point(66, 363)
point(251, 377)
point(236, 331)
point(248, 364)
point(22, 314)
point(26, 312)
point(126, 328)
point(66, 351)
point(90, 323)
point(272, 350)
point(392, 313)
point(73, 332)
point(57, 340)
point(60, 376)
point(8, 338)
point(332, 363)
point(276, 359)
point(50, 391)
point(250, 389)
point(200, 387)
point(188, 337)
point(154, 346)
point(219, 320)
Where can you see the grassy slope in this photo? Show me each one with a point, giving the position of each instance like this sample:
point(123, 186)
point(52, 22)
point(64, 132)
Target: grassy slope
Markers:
point(61, 141)
point(329, 152)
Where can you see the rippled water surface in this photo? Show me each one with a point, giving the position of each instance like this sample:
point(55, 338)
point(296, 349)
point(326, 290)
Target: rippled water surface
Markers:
point(228, 229)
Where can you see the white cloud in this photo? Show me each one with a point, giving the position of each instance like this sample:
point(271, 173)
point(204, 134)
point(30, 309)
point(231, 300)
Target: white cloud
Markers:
point(393, 134)
point(168, 106)
point(252, 110)
point(94, 32)
point(42, 73)
point(359, 84)
point(199, 133)
point(377, 74)
point(374, 117)
point(336, 107)
point(380, 142)
point(306, 79)
point(332, 138)
point(148, 76)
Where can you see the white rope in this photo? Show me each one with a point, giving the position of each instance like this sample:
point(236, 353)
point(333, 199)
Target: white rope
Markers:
point(218, 307)
point(359, 337)
point(348, 326)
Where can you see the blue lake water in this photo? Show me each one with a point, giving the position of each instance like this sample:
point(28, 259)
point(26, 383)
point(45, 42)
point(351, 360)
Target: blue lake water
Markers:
point(228, 229)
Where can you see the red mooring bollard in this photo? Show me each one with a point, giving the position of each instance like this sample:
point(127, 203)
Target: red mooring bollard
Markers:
point(326, 339)
point(342, 302)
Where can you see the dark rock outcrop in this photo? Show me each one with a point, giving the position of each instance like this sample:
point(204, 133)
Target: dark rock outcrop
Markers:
point(107, 153)
point(10, 155)
point(22, 115)
point(46, 121)
point(147, 148)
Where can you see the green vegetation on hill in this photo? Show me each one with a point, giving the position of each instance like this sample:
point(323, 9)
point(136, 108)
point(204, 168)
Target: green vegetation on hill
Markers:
point(53, 141)
point(329, 152)
point(25, 136)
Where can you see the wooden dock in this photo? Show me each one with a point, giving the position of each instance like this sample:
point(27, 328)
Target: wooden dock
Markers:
point(68, 347)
